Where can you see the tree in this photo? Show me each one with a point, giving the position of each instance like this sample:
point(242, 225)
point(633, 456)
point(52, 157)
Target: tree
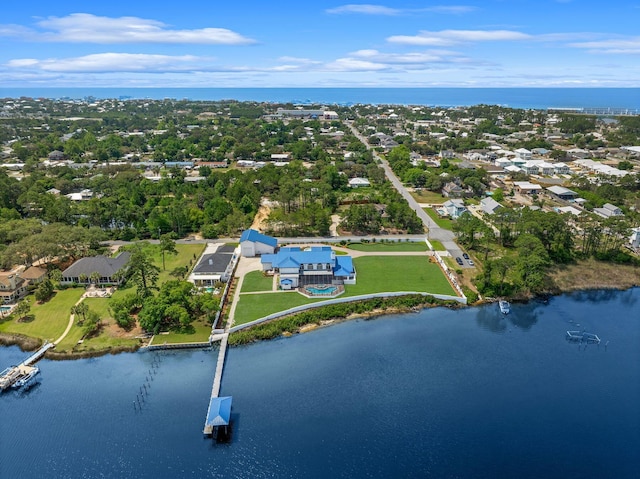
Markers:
point(141, 270)
point(167, 245)
point(22, 309)
point(95, 277)
point(80, 309)
point(44, 291)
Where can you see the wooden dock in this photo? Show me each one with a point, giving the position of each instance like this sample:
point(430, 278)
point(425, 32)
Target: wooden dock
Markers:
point(217, 380)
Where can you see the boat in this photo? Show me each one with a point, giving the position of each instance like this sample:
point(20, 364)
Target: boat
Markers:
point(582, 337)
point(505, 307)
point(27, 379)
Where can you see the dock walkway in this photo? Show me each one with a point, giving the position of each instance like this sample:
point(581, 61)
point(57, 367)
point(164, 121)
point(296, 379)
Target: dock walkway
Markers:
point(217, 381)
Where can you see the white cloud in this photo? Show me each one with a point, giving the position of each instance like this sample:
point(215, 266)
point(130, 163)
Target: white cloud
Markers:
point(365, 9)
point(88, 28)
point(368, 9)
point(453, 37)
point(113, 62)
point(420, 58)
point(628, 45)
point(354, 65)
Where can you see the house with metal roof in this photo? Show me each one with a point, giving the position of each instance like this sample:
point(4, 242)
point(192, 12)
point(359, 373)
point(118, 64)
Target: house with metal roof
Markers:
point(455, 207)
point(215, 264)
point(562, 193)
point(489, 205)
point(310, 266)
point(106, 267)
point(254, 243)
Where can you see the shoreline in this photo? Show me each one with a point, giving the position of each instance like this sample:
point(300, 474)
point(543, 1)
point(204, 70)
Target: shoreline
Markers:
point(29, 344)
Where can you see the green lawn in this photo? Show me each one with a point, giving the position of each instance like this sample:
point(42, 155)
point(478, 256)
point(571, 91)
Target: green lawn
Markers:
point(441, 222)
point(100, 306)
point(389, 247)
point(375, 274)
point(51, 318)
point(426, 196)
point(398, 273)
point(257, 281)
point(254, 306)
point(187, 255)
point(437, 245)
point(201, 334)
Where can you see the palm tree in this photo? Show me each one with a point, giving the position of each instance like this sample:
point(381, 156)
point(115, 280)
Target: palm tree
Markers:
point(95, 277)
point(80, 309)
point(83, 278)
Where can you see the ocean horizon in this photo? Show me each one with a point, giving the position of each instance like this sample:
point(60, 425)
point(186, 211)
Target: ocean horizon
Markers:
point(527, 98)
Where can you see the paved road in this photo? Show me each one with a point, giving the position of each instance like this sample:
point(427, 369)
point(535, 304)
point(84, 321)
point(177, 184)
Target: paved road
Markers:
point(446, 237)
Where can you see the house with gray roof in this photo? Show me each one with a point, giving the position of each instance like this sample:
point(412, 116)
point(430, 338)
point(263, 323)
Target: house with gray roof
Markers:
point(81, 271)
point(216, 264)
point(489, 205)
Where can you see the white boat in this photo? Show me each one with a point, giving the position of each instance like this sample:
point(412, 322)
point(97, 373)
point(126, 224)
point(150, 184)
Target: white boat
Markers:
point(505, 307)
point(27, 379)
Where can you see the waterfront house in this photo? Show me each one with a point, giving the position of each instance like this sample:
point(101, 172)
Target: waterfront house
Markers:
point(253, 243)
point(214, 266)
point(314, 265)
point(108, 269)
point(12, 287)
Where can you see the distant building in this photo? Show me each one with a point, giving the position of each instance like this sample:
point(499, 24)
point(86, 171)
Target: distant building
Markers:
point(489, 205)
point(526, 188)
point(523, 154)
point(608, 210)
point(562, 193)
point(634, 240)
point(359, 182)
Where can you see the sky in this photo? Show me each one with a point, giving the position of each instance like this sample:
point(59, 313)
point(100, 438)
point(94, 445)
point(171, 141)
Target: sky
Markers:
point(200, 43)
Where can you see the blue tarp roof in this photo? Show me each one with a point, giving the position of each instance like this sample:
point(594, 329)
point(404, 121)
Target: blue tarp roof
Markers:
point(219, 411)
point(256, 236)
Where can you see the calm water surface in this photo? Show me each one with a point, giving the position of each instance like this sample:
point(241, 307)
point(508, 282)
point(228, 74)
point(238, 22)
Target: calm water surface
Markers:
point(440, 393)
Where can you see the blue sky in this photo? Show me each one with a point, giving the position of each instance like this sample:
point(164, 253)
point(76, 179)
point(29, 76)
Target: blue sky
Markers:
point(490, 43)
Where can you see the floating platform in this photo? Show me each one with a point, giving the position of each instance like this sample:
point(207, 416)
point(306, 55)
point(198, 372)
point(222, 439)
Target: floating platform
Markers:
point(582, 337)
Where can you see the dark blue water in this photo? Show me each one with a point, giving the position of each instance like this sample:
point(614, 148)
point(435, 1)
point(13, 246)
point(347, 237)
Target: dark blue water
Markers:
point(440, 393)
point(538, 98)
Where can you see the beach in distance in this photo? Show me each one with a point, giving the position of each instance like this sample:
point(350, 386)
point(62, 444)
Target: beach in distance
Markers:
point(529, 98)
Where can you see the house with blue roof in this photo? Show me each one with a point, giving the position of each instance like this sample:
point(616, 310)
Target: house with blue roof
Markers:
point(254, 243)
point(315, 265)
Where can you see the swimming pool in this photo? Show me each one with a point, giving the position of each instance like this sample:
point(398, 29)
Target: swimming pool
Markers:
point(4, 309)
point(325, 290)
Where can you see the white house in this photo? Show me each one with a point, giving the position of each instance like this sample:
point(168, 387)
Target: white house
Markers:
point(254, 243)
point(530, 168)
point(503, 162)
point(634, 241)
point(523, 154)
point(608, 210)
point(562, 169)
point(359, 182)
point(455, 207)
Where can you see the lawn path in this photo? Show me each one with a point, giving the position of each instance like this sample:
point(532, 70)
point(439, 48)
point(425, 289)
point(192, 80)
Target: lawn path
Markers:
point(70, 323)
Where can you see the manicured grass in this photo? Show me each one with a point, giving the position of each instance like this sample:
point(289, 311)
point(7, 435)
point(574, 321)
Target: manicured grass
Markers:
point(375, 274)
point(51, 318)
point(257, 281)
point(200, 335)
point(398, 273)
point(426, 196)
point(389, 247)
point(100, 306)
point(253, 306)
point(441, 222)
point(437, 245)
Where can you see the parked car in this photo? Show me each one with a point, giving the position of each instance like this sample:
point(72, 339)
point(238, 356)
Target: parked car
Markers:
point(459, 260)
point(465, 255)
